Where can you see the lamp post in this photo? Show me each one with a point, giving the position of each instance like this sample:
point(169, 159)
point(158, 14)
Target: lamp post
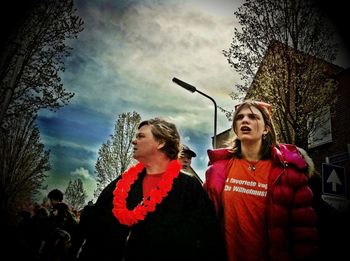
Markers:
point(193, 89)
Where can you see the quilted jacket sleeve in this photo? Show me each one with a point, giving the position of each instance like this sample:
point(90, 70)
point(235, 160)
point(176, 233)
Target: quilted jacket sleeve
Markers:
point(291, 207)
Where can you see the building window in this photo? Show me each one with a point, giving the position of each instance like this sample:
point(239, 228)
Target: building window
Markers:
point(322, 131)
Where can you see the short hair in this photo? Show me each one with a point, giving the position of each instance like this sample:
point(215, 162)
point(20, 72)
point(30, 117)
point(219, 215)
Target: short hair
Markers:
point(166, 132)
point(55, 194)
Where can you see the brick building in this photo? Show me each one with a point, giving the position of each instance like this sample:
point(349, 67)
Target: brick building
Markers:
point(330, 151)
point(337, 150)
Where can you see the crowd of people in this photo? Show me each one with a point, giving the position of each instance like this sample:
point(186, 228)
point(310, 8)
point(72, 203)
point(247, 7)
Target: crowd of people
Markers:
point(255, 204)
point(48, 231)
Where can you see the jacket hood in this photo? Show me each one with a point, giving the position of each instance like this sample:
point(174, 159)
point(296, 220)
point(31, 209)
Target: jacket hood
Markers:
point(218, 154)
point(309, 162)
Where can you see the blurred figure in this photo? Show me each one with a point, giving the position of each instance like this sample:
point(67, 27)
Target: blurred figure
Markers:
point(55, 196)
point(39, 229)
point(57, 247)
point(63, 233)
point(185, 157)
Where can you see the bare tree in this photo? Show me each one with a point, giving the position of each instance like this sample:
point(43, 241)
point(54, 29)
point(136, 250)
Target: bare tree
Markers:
point(23, 163)
point(115, 156)
point(32, 58)
point(75, 194)
point(283, 52)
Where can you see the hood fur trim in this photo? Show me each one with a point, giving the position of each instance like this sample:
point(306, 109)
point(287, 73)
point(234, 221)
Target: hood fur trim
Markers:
point(309, 162)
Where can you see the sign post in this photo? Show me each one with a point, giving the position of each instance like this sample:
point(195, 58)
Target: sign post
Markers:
point(333, 180)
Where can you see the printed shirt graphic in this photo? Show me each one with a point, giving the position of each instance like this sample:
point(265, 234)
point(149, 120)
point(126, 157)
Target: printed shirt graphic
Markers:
point(244, 202)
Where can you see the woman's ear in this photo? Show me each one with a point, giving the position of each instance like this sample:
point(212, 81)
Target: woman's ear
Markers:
point(266, 130)
point(161, 144)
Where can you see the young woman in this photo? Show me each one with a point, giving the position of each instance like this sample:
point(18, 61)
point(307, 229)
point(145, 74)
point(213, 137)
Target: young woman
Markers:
point(259, 189)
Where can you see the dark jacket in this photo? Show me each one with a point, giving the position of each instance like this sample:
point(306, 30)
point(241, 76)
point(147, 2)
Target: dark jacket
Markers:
point(291, 221)
point(183, 227)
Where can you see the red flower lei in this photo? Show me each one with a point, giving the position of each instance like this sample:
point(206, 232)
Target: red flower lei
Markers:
point(131, 217)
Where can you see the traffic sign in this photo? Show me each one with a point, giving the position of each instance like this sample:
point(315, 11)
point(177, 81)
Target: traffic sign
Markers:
point(333, 180)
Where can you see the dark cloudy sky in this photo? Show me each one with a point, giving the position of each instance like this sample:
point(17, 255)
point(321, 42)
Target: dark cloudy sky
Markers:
point(124, 61)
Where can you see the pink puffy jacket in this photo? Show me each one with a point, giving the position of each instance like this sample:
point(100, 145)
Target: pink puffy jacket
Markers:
point(291, 219)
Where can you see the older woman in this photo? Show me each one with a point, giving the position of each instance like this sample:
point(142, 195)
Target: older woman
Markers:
point(260, 192)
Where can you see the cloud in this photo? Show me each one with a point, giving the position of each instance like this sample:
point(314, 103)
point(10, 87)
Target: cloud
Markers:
point(126, 59)
point(76, 126)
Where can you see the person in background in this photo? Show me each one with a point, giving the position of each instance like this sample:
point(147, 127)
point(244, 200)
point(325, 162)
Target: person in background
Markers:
point(55, 196)
point(64, 228)
point(185, 157)
point(260, 191)
point(153, 211)
point(63, 234)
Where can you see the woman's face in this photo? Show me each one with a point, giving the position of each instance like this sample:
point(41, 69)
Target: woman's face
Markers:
point(249, 125)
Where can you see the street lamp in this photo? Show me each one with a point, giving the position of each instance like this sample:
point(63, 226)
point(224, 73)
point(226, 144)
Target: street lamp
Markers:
point(194, 89)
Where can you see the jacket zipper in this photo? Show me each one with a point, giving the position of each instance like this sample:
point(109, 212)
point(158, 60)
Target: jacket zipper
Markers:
point(126, 244)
